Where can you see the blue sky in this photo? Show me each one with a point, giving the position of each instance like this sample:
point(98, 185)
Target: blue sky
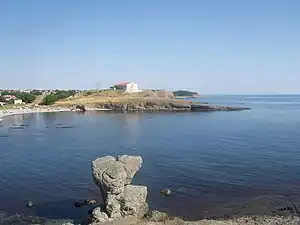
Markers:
point(211, 46)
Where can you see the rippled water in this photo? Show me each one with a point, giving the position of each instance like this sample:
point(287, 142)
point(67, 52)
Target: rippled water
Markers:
point(207, 159)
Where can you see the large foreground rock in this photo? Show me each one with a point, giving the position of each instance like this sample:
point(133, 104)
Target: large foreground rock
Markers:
point(114, 176)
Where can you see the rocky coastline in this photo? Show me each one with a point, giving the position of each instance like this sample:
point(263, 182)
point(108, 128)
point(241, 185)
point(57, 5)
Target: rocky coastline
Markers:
point(26, 110)
point(168, 107)
point(126, 204)
point(123, 107)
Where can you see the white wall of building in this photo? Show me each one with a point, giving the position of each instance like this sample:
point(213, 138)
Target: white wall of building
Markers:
point(17, 101)
point(132, 88)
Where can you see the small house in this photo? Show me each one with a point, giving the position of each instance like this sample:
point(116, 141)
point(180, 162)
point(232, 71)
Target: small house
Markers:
point(129, 87)
point(9, 97)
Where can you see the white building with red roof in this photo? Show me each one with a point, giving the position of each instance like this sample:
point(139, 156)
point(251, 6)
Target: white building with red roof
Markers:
point(129, 87)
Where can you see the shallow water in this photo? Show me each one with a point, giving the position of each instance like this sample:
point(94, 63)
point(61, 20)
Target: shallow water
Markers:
point(207, 159)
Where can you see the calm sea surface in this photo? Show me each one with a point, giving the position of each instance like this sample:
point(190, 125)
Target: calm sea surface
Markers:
point(206, 159)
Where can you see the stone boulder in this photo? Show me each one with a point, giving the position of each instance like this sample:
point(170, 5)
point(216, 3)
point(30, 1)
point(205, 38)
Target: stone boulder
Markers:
point(114, 176)
point(81, 108)
point(156, 216)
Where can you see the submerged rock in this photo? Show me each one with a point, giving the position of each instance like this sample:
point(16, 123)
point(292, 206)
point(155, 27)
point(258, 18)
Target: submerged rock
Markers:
point(166, 192)
point(85, 202)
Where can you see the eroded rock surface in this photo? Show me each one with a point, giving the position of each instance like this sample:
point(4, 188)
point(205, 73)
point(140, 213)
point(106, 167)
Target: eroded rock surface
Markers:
point(114, 176)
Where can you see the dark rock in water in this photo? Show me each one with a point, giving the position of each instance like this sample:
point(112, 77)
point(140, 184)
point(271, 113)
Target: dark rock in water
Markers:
point(180, 106)
point(79, 204)
point(81, 108)
point(64, 127)
point(210, 108)
point(85, 202)
point(3, 136)
point(90, 202)
point(166, 192)
point(29, 204)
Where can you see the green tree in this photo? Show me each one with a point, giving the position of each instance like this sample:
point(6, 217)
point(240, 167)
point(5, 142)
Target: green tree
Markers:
point(50, 99)
point(26, 97)
point(36, 92)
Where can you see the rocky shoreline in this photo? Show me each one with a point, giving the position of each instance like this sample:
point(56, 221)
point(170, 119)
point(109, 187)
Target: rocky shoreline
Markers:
point(26, 110)
point(168, 107)
point(119, 107)
point(126, 204)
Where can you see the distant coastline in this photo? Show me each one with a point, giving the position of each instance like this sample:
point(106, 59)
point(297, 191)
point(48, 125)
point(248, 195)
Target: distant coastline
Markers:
point(25, 110)
point(182, 94)
point(120, 101)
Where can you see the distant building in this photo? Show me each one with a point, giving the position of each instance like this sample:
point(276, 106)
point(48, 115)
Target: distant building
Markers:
point(129, 87)
point(24, 91)
point(18, 101)
point(9, 97)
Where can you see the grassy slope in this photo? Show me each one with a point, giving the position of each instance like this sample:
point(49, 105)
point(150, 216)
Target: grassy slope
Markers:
point(115, 96)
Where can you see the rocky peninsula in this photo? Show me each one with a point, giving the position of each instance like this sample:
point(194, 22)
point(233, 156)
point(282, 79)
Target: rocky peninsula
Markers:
point(146, 101)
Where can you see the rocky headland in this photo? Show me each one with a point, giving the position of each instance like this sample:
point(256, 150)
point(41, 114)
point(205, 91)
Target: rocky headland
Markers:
point(146, 101)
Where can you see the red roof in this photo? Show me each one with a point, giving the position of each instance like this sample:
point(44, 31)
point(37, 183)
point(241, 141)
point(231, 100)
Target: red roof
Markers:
point(9, 96)
point(122, 83)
